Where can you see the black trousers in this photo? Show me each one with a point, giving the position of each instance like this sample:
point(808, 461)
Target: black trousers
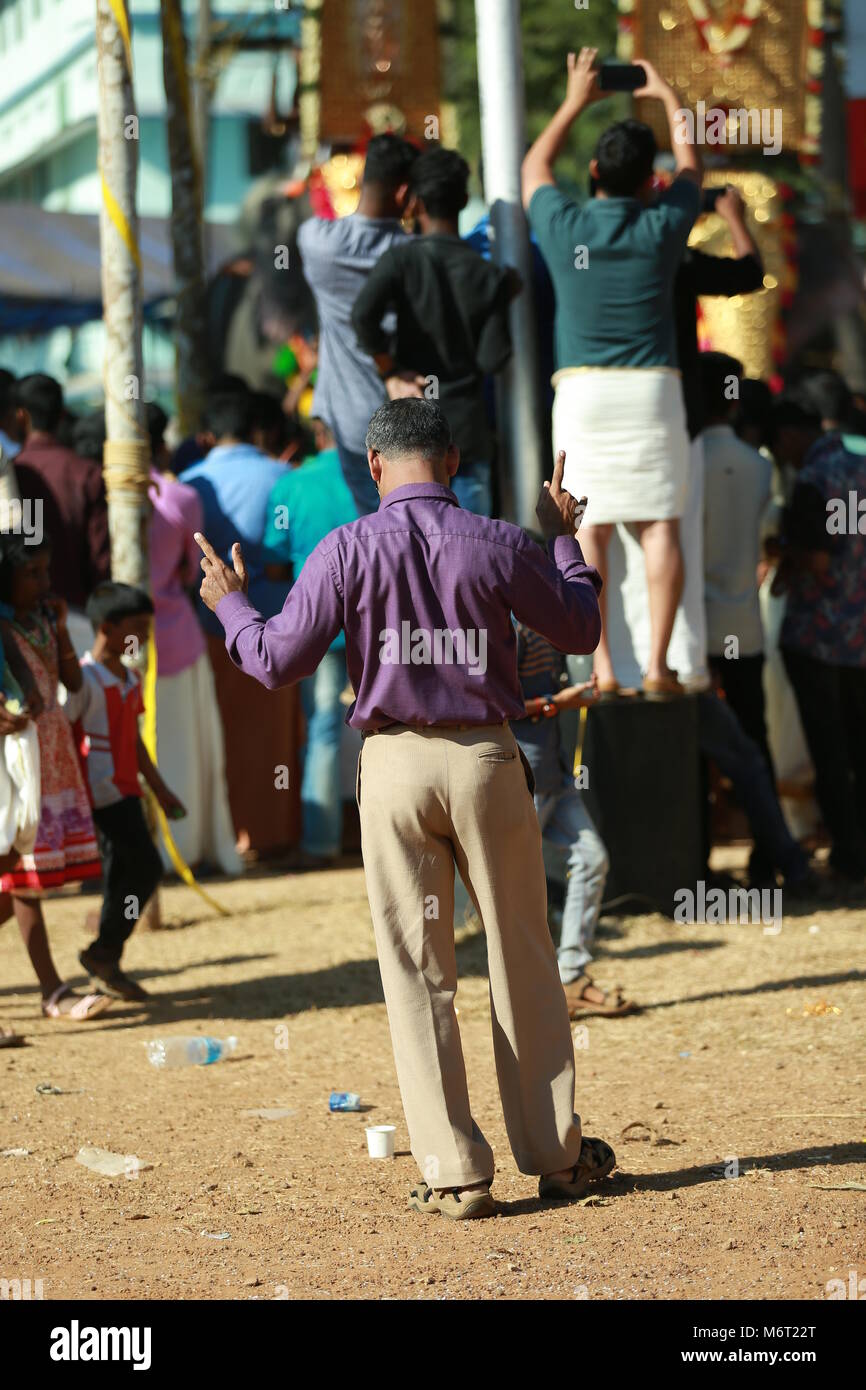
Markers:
point(832, 705)
point(131, 870)
point(743, 683)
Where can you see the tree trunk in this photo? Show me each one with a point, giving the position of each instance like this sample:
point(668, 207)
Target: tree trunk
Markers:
point(190, 324)
point(126, 461)
point(202, 89)
point(127, 452)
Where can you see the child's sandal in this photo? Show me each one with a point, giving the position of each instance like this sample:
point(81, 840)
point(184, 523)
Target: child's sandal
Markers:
point(85, 1006)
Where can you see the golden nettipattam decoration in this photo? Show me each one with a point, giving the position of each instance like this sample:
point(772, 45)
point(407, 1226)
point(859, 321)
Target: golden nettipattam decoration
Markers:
point(747, 326)
point(733, 55)
point(375, 66)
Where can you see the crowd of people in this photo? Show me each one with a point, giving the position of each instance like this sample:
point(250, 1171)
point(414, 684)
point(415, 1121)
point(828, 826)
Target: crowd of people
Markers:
point(322, 540)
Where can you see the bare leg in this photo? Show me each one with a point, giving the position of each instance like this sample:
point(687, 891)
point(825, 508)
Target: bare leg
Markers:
point(31, 924)
point(660, 541)
point(594, 542)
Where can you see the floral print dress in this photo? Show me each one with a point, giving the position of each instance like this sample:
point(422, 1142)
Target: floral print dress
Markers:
point(65, 850)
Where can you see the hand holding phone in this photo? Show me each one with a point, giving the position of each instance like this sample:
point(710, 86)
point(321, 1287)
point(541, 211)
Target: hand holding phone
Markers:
point(581, 88)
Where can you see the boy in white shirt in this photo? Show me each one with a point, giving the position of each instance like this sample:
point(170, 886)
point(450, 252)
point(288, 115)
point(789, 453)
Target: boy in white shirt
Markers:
point(105, 714)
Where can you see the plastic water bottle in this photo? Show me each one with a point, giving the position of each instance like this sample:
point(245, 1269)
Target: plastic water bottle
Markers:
point(189, 1052)
point(344, 1100)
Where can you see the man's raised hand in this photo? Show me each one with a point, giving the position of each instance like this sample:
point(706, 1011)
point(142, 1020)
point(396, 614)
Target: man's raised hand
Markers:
point(219, 580)
point(559, 513)
point(582, 88)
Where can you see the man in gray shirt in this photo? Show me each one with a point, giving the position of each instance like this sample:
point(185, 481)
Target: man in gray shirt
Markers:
point(337, 258)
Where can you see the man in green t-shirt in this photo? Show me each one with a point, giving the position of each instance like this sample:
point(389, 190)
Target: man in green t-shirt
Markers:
point(618, 412)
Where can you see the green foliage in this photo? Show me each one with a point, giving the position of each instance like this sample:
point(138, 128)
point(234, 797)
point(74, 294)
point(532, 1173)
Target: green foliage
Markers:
point(550, 29)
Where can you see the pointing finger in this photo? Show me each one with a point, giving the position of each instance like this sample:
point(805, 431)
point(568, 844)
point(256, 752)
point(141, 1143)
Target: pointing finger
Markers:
point(205, 545)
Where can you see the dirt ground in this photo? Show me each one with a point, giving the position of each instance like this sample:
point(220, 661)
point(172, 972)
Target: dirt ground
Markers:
point(729, 1061)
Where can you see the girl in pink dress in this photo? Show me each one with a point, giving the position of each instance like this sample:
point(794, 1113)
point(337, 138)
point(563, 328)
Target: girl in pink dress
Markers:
point(65, 850)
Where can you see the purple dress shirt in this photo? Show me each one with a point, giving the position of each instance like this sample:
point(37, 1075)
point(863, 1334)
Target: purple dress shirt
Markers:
point(424, 591)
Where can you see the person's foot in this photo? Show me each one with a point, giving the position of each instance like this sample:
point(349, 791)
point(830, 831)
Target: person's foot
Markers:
point(848, 866)
point(803, 887)
point(597, 1159)
point(65, 1002)
point(9, 1038)
point(587, 1000)
point(468, 1203)
point(661, 683)
point(111, 979)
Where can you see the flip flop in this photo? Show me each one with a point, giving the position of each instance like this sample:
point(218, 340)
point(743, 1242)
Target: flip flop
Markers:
point(469, 1206)
point(597, 1159)
point(86, 1006)
point(612, 690)
point(9, 1038)
point(668, 688)
point(577, 1008)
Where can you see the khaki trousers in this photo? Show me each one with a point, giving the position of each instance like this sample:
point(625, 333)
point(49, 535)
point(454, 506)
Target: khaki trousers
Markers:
point(429, 798)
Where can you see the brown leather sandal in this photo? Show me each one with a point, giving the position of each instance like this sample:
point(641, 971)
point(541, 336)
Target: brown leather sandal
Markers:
point(668, 688)
point(611, 1005)
point(597, 1159)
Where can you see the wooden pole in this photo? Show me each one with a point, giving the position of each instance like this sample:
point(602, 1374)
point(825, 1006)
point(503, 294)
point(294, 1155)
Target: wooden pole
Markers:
point(187, 201)
point(126, 459)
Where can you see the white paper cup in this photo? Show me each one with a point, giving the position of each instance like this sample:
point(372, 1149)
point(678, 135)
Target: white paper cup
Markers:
point(380, 1140)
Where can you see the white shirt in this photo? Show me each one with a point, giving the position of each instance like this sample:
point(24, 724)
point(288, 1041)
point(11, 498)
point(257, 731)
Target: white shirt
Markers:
point(736, 489)
point(102, 732)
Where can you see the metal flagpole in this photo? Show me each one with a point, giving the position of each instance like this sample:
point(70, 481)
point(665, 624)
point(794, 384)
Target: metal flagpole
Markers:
point(503, 139)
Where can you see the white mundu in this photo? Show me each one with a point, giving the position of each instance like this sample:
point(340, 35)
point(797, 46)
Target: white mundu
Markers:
point(623, 430)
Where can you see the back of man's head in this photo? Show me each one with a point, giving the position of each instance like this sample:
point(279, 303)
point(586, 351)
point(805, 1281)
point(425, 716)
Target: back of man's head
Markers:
point(388, 161)
point(42, 397)
point(720, 384)
point(88, 435)
point(157, 424)
point(793, 430)
point(754, 411)
point(827, 393)
point(229, 415)
point(440, 178)
point(410, 428)
point(624, 157)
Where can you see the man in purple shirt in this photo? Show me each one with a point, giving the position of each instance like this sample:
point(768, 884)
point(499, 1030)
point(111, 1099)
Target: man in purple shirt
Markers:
point(424, 592)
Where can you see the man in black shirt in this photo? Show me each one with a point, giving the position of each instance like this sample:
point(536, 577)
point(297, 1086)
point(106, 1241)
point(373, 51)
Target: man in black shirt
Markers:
point(451, 310)
point(725, 276)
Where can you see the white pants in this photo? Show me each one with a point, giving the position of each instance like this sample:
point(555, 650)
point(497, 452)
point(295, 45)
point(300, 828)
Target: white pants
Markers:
point(191, 759)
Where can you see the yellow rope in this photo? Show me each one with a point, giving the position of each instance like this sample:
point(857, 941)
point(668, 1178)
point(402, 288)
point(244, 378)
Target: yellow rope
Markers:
point(118, 219)
point(578, 750)
point(181, 867)
point(126, 465)
point(121, 18)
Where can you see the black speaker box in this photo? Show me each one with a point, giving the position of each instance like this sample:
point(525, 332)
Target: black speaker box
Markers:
point(644, 794)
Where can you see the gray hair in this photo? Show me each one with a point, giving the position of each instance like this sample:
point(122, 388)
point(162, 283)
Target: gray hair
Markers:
point(409, 427)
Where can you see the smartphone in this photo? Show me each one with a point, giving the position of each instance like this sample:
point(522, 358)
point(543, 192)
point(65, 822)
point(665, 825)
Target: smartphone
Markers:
point(710, 197)
point(621, 77)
